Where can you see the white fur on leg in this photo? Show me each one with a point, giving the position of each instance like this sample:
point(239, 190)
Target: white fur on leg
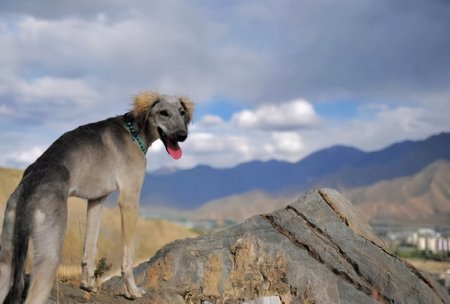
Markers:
point(129, 213)
point(94, 211)
point(47, 238)
point(42, 280)
point(6, 249)
point(132, 291)
point(5, 279)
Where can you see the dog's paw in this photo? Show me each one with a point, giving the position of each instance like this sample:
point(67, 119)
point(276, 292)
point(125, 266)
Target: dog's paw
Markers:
point(134, 295)
point(131, 290)
point(88, 287)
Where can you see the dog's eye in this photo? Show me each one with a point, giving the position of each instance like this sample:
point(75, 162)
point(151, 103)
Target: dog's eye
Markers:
point(182, 112)
point(164, 113)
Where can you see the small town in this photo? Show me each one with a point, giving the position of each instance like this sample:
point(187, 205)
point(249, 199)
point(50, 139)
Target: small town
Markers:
point(429, 244)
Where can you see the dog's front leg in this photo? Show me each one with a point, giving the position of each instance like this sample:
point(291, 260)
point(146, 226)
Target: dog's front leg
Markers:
point(93, 220)
point(129, 212)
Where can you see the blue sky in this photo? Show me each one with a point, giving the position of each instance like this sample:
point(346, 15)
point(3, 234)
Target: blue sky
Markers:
point(271, 79)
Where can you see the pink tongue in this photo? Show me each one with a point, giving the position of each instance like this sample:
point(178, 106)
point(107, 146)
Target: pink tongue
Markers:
point(175, 152)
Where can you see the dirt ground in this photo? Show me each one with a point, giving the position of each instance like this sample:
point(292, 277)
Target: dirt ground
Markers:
point(430, 266)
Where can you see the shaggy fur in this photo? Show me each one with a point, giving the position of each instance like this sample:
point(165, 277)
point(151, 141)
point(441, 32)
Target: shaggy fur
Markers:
point(90, 162)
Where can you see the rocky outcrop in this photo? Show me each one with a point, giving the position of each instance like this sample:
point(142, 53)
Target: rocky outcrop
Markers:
point(316, 250)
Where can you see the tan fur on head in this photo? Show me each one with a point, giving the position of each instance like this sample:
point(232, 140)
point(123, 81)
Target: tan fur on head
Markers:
point(143, 103)
point(189, 107)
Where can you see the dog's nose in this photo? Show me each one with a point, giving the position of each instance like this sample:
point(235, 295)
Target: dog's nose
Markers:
point(181, 135)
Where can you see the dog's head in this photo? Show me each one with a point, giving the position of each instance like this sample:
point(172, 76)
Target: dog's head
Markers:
point(166, 116)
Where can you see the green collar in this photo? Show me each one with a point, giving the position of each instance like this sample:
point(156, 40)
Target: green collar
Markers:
point(129, 123)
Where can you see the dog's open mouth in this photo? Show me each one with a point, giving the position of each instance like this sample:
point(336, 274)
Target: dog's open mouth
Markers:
point(171, 145)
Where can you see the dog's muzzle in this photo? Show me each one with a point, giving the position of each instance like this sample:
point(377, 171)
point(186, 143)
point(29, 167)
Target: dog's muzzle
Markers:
point(171, 142)
point(181, 135)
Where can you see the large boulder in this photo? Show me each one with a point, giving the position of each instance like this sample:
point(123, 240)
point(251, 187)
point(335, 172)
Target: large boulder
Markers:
point(318, 249)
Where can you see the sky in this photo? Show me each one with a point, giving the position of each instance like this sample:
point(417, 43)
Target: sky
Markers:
point(271, 79)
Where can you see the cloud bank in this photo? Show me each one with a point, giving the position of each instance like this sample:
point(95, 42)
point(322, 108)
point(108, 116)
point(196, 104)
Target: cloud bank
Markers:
point(66, 63)
point(291, 115)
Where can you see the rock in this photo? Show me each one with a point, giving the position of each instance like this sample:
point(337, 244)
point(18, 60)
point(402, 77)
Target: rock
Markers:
point(318, 249)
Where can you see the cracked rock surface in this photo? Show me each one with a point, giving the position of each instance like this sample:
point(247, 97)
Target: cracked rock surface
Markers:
point(316, 250)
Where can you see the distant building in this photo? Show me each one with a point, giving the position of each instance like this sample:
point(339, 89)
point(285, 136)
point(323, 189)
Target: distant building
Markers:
point(421, 243)
point(432, 244)
point(430, 240)
point(443, 244)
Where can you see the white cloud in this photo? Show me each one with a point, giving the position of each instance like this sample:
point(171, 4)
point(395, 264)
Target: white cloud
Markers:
point(57, 90)
point(285, 146)
point(295, 114)
point(211, 121)
point(21, 158)
point(220, 143)
point(157, 147)
point(406, 119)
point(287, 143)
point(205, 147)
point(377, 126)
point(203, 142)
point(216, 144)
point(374, 128)
point(230, 145)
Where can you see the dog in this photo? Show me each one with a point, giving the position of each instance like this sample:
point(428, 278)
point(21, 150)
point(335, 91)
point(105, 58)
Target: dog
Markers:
point(89, 162)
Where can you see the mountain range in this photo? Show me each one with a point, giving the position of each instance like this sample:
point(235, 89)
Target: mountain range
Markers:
point(407, 182)
point(338, 167)
point(422, 199)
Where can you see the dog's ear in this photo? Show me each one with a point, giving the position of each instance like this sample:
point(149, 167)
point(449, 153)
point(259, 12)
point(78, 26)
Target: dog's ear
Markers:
point(143, 102)
point(188, 105)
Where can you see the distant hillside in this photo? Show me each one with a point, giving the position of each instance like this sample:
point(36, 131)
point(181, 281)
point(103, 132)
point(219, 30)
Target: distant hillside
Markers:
point(423, 198)
point(9, 178)
point(338, 167)
point(240, 207)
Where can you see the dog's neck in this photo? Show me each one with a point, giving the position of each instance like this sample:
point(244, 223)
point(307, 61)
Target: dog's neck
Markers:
point(139, 132)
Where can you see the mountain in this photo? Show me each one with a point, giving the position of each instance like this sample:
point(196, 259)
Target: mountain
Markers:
point(420, 199)
point(338, 167)
point(239, 207)
point(423, 198)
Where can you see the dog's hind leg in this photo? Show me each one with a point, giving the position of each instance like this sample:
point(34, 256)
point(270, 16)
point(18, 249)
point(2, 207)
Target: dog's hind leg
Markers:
point(6, 245)
point(49, 225)
point(93, 220)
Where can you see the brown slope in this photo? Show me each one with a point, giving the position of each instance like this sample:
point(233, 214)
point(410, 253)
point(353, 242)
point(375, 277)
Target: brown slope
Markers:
point(420, 199)
point(239, 207)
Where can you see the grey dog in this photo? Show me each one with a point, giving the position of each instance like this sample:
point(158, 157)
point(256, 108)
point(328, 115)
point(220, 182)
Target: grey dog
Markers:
point(89, 162)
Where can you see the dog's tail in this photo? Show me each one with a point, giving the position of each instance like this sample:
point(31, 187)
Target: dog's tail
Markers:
point(21, 240)
point(45, 190)
point(7, 246)
point(22, 231)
